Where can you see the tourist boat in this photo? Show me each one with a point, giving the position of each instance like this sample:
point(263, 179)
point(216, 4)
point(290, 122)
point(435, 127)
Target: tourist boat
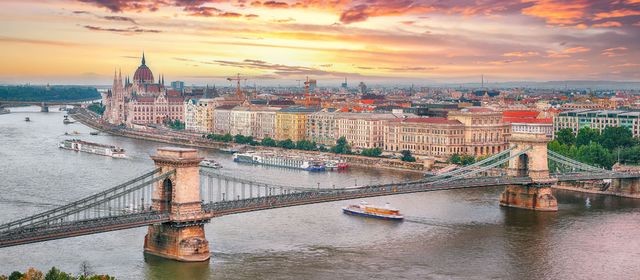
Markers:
point(27, 119)
point(92, 148)
point(280, 160)
point(364, 209)
point(336, 165)
point(313, 166)
point(66, 120)
point(210, 164)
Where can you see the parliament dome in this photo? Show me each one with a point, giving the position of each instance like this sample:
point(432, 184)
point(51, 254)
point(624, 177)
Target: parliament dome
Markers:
point(143, 74)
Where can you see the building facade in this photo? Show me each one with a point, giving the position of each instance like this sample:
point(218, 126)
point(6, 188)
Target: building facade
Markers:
point(321, 128)
point(439, 138)
point(291, 123)
point(142, 101)
point(484, 131)
point(597, 119)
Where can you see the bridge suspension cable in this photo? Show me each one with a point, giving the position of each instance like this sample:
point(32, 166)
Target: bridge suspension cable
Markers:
point(114, 201)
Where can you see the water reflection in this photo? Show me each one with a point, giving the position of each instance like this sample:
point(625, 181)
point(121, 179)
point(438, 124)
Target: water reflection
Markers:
point(161, 268)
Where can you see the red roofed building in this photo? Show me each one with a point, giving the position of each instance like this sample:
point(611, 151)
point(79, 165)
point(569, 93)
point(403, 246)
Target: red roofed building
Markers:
point(529, 122)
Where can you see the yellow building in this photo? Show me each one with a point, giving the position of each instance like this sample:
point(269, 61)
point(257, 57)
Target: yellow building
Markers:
point(291, 123)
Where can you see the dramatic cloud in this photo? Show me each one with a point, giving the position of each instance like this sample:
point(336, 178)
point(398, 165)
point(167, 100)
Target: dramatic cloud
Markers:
point(130, 30)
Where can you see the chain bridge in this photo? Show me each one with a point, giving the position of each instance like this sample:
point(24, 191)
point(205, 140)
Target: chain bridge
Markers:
point(177, 198)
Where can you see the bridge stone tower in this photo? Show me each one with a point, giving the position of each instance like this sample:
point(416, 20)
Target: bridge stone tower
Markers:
point(533, 163)
point(182, 238)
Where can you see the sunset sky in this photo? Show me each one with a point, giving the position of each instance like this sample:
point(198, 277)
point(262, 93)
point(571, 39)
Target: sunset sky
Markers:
point(200, 41)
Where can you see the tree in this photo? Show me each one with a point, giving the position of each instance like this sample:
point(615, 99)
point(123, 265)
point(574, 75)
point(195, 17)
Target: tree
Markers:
point(226, 138)
point(341, 147)
point(587, 135)
point(372, 152)
point(614, 137)
point(565, 136)
point(287, 144)
point(467, 159)
point(85, 269)
point(305, 145)
point(455, 159)
point(56, 274)
point(406, 156)
point(16, 275)
point(268, 142)
point(595, 154)
point(629, 155)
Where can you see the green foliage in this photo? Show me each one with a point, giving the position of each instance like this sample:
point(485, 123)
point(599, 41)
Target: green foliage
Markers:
point(406, 156)
point(16, 275)
point(306, 145)
point(268, 142)
point(54, 274)
point(241, 139)
point(96, 108)
point(220, 138)
point(467, 159)
point(587, 135)
point(341, 147)
point(286, 144)
point(630, 155)
point(51, 93)
point(175, 124)
point(595, 154)
point(594, 148)
point(565, 136)
point(614, 137)
point(455, 159)
point(373, 152)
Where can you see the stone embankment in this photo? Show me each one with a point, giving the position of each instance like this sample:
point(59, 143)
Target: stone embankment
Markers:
point(92, 120)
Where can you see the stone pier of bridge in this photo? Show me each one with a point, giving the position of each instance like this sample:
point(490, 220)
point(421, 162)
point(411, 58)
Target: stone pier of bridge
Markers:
point(532, 163)
point(183, 237)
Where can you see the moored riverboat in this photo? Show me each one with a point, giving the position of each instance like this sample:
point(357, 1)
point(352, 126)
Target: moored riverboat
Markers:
point(92, 148)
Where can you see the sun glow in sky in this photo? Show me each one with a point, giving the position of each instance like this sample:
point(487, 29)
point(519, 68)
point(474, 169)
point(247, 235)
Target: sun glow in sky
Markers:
point(203, 41)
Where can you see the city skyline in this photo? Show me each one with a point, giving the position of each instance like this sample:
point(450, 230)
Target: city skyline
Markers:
point(83, 42)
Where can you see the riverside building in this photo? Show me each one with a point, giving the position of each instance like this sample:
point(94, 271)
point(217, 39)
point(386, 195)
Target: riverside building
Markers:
point(597, 119)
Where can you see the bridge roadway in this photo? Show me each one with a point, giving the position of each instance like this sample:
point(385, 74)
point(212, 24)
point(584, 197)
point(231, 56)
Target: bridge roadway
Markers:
point(302, 197)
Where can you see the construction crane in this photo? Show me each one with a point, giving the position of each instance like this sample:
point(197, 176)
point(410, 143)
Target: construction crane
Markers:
point(307, 103)
point(238, 91)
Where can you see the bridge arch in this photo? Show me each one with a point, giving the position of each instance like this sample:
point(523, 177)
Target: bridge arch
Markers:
point(167, 195)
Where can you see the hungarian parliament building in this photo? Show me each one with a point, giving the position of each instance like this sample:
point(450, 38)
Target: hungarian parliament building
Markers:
point(142, 100)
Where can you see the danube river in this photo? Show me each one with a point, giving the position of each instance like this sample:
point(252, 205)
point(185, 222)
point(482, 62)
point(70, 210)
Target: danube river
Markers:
point(460, 234)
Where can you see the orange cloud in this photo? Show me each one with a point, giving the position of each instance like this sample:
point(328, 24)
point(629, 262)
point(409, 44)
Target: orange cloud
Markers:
point(576, 50)
point(520, 54)
point(556, 12)
point(617, 14)
point(607, 24)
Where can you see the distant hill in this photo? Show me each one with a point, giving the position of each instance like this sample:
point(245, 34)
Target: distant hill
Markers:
point(577, 84)
point(48, 93)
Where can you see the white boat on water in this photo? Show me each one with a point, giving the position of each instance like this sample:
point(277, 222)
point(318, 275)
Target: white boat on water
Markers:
point(209, 163)
point(92, 148)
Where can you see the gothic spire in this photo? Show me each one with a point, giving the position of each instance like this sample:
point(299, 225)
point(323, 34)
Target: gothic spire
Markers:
point(143, 61)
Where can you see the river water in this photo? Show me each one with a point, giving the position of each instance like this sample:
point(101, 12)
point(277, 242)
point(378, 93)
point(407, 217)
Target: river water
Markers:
point(459, 234)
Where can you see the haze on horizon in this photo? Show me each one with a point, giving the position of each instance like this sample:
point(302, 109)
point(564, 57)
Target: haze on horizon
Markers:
point(198, 41)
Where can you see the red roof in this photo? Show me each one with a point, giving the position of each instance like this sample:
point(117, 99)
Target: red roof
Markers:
point(526, 120)
point(427, 120)
point(520, 114)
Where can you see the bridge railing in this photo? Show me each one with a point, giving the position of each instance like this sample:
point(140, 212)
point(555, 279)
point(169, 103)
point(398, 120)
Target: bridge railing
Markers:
point(129, 197)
